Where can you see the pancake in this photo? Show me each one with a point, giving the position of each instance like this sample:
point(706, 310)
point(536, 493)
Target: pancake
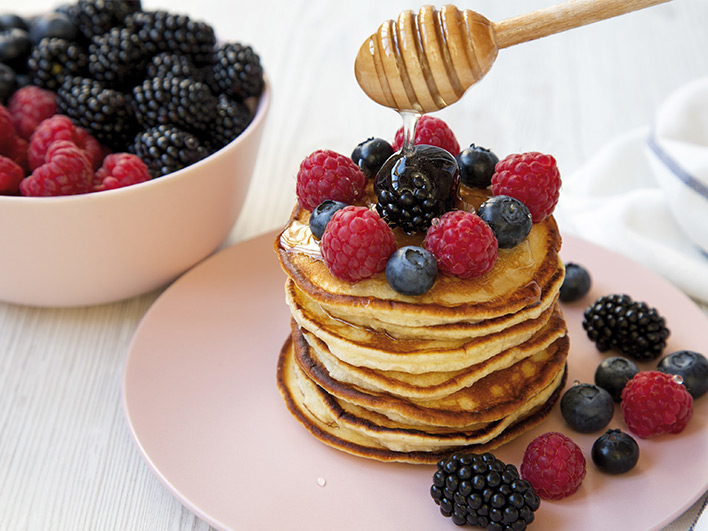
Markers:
point(309, 406)
point(436, 383)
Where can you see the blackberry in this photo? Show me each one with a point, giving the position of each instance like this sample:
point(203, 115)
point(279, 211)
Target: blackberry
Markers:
point(103, 112)
point(238, 71)
point(174, 100)
point(96, 17)
point(54, 58)
point(481, 490)
point(232, 117)
point(118, 58)
point(416, 187)
point(166, 63)
point(161, 31)
point(634, 328)
point(165, 149)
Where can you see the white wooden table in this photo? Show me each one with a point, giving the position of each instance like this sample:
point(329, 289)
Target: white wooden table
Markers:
point(67, 461)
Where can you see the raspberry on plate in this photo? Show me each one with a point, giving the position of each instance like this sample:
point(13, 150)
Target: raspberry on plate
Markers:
point(462, 243)
point(119, 170)
point(532, 178)
point(325, 174)
point(433, 132)
point(66, 171)
point(60, 127)
point(554, 465)
point(10, 176)
point(654, 402)
point(356, 243)
point(29, 106)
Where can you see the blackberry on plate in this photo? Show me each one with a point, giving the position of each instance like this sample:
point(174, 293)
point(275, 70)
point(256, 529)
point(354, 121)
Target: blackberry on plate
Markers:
point(174, 100)
point(118, 58)
point(615, 452)
point(370, 155)
point(613, 374)
point(96, 17)
point(691, 366)
point(237, 70)
point(232, 117)
point(509, 219)
point(476, 166)
point(481, 490)
point(411, 270)
point(414, 188)
point(15, 48)
point(587, 407)
point(161, 31)
point(166, 149)
point(576, 284)
point(321, 215)
point(634, 328)
point(54, 58)
point(103, 112)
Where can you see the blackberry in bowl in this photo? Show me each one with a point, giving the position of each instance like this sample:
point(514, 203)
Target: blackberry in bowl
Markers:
point(160, 196)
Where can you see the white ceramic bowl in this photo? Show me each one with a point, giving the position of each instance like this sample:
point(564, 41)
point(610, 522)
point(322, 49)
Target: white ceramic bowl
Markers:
point(107, 246)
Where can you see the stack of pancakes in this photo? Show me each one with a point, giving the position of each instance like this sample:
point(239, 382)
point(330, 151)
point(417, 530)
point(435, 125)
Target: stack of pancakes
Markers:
point(470, 364)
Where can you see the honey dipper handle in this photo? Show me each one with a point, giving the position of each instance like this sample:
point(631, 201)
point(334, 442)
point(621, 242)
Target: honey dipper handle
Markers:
point(562, 17)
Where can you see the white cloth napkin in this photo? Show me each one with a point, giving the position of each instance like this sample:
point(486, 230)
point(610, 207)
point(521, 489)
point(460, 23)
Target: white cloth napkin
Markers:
point(645, 195)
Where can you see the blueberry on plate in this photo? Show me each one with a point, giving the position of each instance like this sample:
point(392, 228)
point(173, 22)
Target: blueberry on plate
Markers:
point(613, 374)
point(370, 155)
point(689, 365)
point(321, 215)
point(509, 219)
point(615, 452)
point(576, 284)
point(587, 407)
point(476, 166)
point(411, 270)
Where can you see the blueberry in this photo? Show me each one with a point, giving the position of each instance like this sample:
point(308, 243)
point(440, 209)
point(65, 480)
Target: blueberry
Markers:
point(509, 219)
point(52, 24)
point(614, 373)
point(476, 166)
point(615, 452)
point(15, 48)
point(370, 155)
point(10, 20)
point(8, 83)
point(411, 270)
point(691, 366)
point(587, 407)
point(322, 214)
point(576, 284)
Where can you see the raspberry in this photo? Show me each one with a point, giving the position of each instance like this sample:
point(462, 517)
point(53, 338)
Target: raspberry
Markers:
point(118, 170)
point(356, 243)
point(325, 174)
point(10, 176)
point(432, 131)
point(30, 105)
point(7, 130)
point(654, 402)
point(17, 151)
point(532, 178)
point(554, 465)
point(463, 244)
point(60, 127)
point(67, 171)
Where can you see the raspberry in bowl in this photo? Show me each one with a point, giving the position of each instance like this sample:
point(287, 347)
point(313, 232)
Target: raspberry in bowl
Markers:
point(138, 197)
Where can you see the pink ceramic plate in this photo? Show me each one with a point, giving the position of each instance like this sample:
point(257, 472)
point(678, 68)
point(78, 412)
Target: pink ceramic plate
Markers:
point(201, 401)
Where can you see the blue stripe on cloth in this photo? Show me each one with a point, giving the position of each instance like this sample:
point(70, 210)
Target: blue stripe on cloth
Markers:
point(684, 176)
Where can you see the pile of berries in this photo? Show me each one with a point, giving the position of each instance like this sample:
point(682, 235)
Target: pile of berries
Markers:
point(416, 192)
point(153, 88)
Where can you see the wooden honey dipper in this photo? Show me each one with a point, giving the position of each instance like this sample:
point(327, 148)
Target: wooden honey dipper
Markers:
point(426, 62)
